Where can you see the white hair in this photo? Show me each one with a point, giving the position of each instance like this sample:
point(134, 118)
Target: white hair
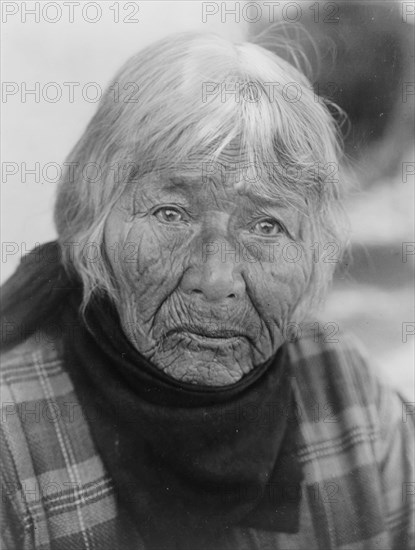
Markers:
point(165, 106)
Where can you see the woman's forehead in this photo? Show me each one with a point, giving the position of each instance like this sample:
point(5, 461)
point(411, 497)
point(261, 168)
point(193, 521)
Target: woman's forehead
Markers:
point(229, 166)
point(231, 172)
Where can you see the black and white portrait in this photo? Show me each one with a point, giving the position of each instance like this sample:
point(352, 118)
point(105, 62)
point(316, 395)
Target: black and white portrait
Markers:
point(207, 313)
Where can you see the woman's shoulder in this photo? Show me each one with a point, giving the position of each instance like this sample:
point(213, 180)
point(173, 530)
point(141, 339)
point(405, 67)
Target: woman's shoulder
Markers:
point(53, 480)
point(358, 436)
point(334, 363)
point(32, 362)
point(339, 389)
point(346, 407)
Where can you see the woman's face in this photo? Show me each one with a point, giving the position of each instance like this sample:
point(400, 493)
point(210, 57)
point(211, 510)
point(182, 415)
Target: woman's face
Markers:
point(208, 276)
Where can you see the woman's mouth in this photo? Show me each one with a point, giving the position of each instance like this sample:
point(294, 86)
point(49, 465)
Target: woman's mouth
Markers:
point(213, 341)
point(209, 335)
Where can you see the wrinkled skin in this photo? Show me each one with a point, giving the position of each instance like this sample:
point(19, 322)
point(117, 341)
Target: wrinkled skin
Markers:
point(204, 282)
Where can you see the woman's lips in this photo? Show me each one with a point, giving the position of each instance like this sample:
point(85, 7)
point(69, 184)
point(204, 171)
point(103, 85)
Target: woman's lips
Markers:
point(208, 332)
point(210, 337)
point(214, 340)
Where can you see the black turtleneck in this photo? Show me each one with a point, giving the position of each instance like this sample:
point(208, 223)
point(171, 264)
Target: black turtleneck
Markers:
point(187, 461)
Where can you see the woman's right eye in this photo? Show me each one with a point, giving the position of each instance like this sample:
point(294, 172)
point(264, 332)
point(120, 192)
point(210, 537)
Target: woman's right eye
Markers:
point(169, 214)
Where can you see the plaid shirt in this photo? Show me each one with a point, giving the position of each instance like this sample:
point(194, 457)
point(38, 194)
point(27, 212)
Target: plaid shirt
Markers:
point(357, 454)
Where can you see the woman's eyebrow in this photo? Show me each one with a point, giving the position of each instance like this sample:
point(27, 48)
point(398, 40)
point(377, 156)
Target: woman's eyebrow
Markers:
point(273, 202)
point(168, 188)
point(183, 180)
point(177, 186)
point(183, 185)
point(186, 185)
point(163, 183)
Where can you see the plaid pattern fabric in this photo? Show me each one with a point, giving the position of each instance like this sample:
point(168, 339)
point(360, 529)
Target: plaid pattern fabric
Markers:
point(356, 448)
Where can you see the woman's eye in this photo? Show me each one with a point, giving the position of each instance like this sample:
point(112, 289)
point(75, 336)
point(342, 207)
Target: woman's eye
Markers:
point(169, 214)
point(267, 227)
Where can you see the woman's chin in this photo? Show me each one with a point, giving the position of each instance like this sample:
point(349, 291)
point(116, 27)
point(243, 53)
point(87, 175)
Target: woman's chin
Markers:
point(205, 361)
point(204, 372)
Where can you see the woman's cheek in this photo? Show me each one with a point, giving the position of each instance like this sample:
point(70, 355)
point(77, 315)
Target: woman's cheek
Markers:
point(280, 283)
point(157, 266)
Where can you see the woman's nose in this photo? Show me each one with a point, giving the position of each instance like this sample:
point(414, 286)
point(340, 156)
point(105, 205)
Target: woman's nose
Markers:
point(216, 275)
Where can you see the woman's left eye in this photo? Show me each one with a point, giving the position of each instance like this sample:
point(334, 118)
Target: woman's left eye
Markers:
point(268, 227)
point(169, 214)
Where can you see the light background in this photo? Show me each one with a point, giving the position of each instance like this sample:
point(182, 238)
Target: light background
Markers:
point(44, 132)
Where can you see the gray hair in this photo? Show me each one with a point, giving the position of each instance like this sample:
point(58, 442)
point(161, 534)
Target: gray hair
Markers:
point(182, 110)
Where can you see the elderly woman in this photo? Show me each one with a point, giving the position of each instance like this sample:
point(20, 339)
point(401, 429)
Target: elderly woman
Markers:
point(161, 389)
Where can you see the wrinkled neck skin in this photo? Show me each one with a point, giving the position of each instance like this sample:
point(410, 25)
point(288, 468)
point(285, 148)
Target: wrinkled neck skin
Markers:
point(208, 274)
